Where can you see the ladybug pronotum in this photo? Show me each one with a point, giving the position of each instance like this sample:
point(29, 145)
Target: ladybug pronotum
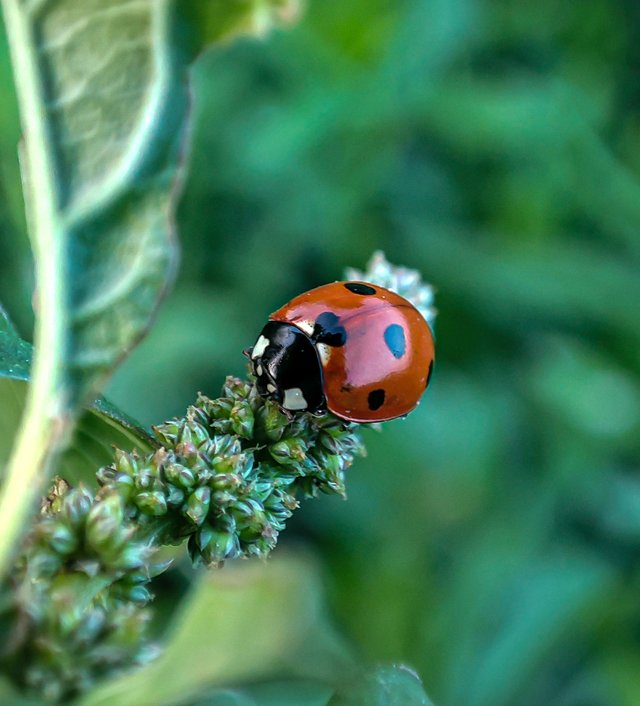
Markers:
point(358, 350)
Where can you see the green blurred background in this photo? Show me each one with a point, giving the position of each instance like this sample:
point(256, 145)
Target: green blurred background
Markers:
point(492, 539)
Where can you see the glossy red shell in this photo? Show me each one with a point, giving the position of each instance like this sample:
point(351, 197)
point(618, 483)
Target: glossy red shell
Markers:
point(383, 365)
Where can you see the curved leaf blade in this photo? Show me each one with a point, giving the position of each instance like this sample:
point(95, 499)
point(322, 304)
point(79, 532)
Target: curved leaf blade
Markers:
point(216, 21)
point(100, 154)
point(15, 354)
point(99, 429)
point(396, 685)
point(248, 622)
point(103, 97)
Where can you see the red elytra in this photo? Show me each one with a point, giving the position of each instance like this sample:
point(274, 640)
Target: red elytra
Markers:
point(375, 348)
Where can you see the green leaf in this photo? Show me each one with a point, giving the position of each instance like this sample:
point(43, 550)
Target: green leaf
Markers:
point(386, 686)
point(15, 354)
point(99, 429)
point(103, 97)
point(220, 20)
point(244, 623)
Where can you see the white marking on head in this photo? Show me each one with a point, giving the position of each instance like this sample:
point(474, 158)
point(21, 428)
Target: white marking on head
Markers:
point(271, 388)
point(306, 326)
point(294, 399)
point(259, 370)
point(258, 349)
point(324, 351)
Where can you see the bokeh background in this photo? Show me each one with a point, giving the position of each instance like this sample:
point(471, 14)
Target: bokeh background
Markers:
point(492, 539)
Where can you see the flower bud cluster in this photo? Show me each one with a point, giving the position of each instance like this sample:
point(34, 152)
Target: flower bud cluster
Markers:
point(79, 589)
point(226, 477)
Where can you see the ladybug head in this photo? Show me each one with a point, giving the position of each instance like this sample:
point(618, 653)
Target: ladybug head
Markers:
point(287, 368)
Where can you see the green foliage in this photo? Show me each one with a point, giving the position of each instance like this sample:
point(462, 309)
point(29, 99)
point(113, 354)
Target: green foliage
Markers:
point(103, 98)
point(491, 540)
point(15, 354)
point(388, 686)
point(98, 430)
point(262, 617)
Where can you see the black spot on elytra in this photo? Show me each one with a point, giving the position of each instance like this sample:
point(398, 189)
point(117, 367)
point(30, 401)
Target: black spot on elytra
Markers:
point(394, 338)
point(375, 399)
point(359, 288)
point(327, 329)
point(429, 374)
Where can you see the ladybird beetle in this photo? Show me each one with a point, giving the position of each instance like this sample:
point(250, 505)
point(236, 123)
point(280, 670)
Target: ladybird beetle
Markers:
point(358, 350)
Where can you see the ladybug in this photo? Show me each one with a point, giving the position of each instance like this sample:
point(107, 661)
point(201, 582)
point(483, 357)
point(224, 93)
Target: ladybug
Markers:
point(358, 350)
